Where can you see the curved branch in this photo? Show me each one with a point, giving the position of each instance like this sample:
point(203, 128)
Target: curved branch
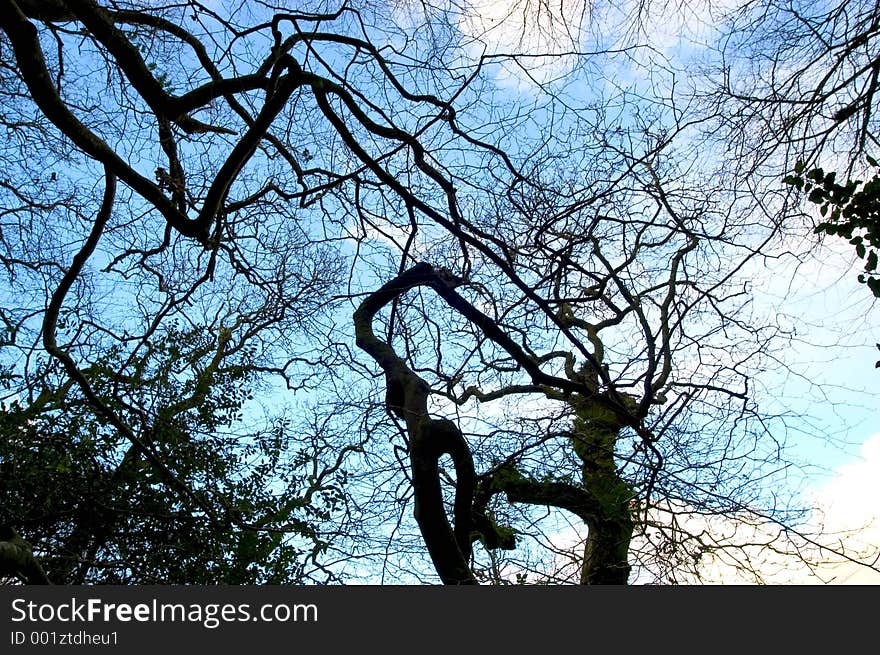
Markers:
point(32, 66)
point(17, 558)
point(429, 439)
point(31, 63)
point(477, 238)
point(50, 320)
point(605, 514)
point(100, 25)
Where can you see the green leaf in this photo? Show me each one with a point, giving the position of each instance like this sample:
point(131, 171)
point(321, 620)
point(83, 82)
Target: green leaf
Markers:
point(793, 180)
point(860, 250)
point(871, 264)
point(817, 175)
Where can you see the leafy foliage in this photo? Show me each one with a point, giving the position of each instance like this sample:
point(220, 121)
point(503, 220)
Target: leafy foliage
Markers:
point(850, 210)
point(101, 514)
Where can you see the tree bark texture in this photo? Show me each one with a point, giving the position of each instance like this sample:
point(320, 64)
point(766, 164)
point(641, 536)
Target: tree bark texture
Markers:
point(602, 500)
point(407, 398)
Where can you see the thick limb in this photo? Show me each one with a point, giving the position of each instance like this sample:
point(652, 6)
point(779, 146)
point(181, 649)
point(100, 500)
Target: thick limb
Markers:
point(17, 559)
point(429, 439)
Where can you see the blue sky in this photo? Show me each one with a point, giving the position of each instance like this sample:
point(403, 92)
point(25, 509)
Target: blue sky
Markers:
point(823, 382)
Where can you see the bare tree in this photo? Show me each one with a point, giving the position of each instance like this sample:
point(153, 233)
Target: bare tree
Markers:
point(797, 80)
point(253, 175)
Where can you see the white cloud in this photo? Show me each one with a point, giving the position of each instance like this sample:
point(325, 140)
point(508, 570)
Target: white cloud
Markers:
point(846, 519)
point(849, 504)
point(525, 26)
point(539, 33)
